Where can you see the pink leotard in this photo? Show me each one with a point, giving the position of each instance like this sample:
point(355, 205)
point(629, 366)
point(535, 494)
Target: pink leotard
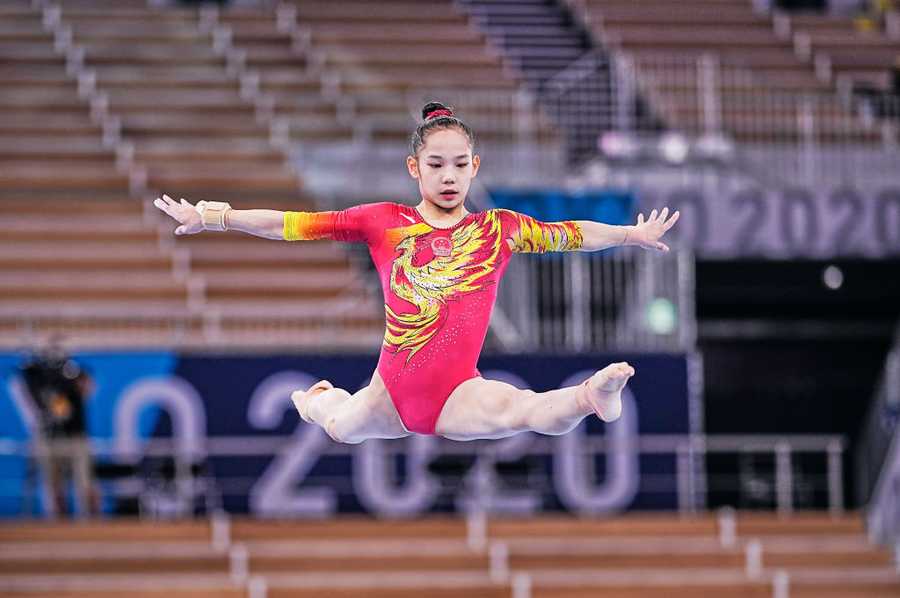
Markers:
point(439, 284)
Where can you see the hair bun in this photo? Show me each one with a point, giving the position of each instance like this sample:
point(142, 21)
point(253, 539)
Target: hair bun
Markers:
point(436, 110)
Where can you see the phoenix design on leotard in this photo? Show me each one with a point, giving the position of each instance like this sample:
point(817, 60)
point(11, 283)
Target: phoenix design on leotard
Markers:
point(439, 288)
point(475, 249)
point(533, 236)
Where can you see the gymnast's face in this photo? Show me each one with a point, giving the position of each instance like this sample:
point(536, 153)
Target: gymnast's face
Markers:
point(444, 168)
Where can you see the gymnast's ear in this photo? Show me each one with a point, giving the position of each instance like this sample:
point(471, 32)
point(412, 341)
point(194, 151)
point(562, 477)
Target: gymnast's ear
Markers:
point(412, 165)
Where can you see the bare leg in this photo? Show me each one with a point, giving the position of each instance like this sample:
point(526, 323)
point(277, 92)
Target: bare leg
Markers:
point(480, 408)
point(369, 413)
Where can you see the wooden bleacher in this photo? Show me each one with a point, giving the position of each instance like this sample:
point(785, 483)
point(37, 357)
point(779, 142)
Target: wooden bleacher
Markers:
point(48, 143)
point(727, 28)
point(857, 55)
point(378, 60)
point(83, 256)
point(194, 97)
point(762, 76)
point(75, 275)
point(166, 122)
point(285, 76)
point(635, 555)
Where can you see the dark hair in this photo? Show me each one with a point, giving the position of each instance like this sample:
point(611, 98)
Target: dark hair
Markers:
point(437, 116)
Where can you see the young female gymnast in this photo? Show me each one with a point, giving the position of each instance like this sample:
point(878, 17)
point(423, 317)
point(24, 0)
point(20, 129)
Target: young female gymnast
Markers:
point(439, 267)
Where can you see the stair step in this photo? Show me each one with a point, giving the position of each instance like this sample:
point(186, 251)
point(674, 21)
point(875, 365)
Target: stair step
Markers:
point(521, 21)
point(532, 41)
point(524, 30)
point(514, 10)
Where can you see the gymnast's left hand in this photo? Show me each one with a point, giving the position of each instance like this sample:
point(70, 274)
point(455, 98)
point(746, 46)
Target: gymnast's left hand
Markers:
point(184, 212)
point(647, 234)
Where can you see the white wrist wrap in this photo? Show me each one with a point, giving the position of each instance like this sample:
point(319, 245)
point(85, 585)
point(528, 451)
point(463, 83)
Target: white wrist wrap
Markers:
point(213, 214)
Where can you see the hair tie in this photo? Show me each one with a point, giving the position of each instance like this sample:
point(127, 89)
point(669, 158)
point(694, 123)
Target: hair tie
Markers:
point(439, 112)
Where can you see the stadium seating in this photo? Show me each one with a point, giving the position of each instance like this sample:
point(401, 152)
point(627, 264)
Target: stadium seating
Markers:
point(200, 103)
point(48, 143)
point(194, 139)
point(114, 273)
point(284, 76)
point(729, 29)
point(111, 277)
point(842, 51)
point(633, 555)
point(758, 72)
point(379, 64)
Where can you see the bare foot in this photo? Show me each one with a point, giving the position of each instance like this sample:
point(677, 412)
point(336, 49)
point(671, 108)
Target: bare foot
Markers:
point(301, 398)
point(602, 392)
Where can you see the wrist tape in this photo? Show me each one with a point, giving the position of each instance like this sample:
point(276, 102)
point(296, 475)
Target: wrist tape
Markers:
point(213, 214)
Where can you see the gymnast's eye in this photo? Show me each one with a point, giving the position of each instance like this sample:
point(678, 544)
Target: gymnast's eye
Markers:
point(435, 165)
point(463, 165)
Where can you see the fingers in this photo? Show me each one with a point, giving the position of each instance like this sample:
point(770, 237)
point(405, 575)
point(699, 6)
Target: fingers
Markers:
point(164, 203)
point(659, 215)
point(662, 221)
point(161, 204)
point(173, 209)
point(672, 220)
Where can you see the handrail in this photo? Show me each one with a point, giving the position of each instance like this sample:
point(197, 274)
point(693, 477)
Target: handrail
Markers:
point(691, 493)
point(826, 129)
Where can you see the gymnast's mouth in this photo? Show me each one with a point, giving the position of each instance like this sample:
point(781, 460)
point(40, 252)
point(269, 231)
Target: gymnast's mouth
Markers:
point(449, 192)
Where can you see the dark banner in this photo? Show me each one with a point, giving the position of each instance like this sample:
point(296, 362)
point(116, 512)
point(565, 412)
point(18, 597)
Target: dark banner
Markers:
point(233, 416)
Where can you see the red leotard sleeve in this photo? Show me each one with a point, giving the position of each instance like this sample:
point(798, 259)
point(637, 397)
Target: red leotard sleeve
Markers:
point(358, 224)
point(526, 235)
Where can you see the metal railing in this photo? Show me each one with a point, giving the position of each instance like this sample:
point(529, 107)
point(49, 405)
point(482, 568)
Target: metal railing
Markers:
point(802, 137)
point(483, 487)
point(723, 114)
point(624, 299)
point(586, 100)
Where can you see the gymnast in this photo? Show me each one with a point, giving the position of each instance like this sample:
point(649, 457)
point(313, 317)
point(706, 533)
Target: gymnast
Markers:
point(439, 266)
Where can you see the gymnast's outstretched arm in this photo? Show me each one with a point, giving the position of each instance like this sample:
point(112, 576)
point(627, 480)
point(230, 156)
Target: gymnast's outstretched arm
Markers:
point(268, 224)
point(646, 234)
point(353, 225)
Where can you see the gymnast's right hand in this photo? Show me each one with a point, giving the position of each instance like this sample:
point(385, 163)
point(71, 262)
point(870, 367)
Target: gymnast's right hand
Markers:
point(185, 213)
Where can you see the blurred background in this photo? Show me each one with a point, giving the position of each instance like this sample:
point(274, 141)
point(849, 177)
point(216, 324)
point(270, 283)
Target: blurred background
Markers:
point(147, 441)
